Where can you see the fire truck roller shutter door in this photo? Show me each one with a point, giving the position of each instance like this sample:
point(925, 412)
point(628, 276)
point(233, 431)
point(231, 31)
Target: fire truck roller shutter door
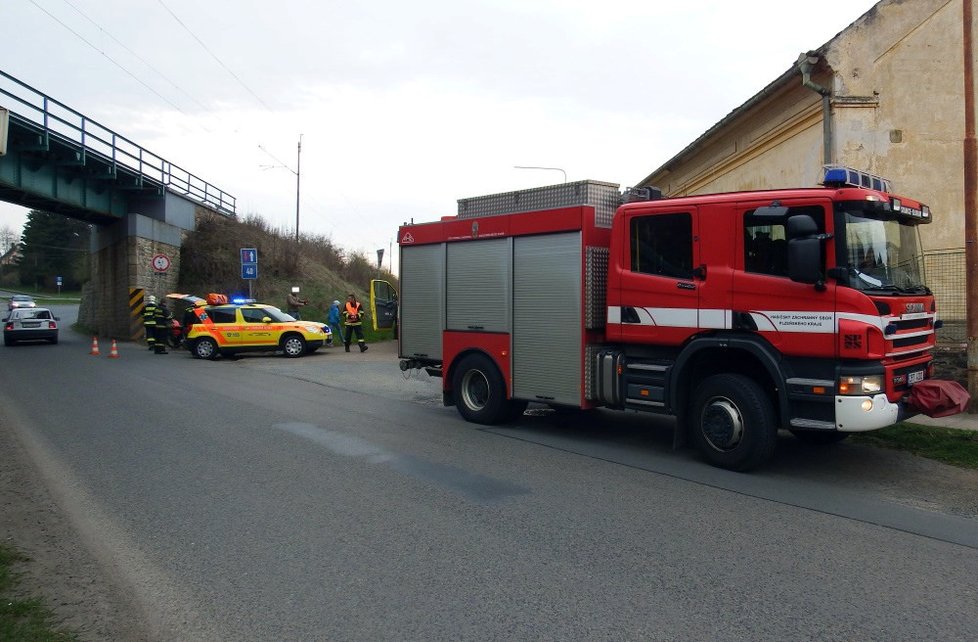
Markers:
point(422, 300)
point(547, 302)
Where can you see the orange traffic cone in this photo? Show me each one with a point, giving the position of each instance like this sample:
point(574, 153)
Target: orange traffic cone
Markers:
point(114, 352)
point(94, 346)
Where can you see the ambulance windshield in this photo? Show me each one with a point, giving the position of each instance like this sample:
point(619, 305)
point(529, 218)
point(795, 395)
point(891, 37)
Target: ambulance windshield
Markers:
point(883, 254)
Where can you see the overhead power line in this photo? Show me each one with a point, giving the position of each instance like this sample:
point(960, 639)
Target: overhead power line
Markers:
point(214, 56)
point(136, 55)
point(108, 57)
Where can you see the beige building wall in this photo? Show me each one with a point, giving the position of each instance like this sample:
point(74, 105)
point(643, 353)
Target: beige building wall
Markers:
point(897, 110)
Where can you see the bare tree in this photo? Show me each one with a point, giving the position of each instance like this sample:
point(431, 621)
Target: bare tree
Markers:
point(8, 238)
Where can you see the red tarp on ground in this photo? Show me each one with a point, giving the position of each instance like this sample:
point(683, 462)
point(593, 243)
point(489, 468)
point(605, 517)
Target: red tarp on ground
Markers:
point(936, 398)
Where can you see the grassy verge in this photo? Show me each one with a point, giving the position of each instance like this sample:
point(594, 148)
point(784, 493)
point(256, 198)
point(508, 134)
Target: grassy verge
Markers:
point(23, 619)
point(946, 445)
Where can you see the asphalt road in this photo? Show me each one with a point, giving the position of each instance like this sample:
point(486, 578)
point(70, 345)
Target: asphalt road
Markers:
point(332, 497)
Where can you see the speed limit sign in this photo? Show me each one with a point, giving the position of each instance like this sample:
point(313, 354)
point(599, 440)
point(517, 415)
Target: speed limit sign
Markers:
point(161, 262)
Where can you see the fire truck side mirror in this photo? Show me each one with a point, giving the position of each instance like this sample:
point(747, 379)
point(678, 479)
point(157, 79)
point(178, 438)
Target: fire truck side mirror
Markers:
point(804, 250)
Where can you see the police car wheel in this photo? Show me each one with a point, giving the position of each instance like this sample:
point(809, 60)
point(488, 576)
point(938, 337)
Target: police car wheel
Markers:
point(293, 345)
point(205, 348)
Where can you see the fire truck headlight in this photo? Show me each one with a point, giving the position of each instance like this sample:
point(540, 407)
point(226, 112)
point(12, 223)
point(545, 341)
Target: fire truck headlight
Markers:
point(865, 385)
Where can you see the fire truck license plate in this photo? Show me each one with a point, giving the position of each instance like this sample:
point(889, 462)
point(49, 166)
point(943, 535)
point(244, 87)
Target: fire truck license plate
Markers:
point(915, 377)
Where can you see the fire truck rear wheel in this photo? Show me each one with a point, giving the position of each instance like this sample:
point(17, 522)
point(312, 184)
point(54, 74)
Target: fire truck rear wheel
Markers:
point(733, 422)
point(480, 392)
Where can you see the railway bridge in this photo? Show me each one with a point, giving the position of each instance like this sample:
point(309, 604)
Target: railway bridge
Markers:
point(55, 159)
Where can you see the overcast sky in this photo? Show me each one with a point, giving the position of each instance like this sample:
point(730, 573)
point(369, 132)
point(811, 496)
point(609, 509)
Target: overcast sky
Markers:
point(405, 107)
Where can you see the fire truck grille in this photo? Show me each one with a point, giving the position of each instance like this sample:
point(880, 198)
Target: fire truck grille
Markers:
point(910, 341)
point(912, 324)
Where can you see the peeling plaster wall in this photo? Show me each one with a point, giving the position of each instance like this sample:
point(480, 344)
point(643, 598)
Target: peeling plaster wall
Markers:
point(909, 55)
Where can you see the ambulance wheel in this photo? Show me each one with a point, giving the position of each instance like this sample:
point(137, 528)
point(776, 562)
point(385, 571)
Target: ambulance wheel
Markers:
point(205, 348)
point(293, 346)
point(480, 392)
point(819, 438)
point(733, 422)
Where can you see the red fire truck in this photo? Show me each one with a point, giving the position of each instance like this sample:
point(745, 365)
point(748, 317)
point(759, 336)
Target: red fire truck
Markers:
point(738, 313)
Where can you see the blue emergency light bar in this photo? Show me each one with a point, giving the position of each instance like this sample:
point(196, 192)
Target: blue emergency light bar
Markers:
point(841, 176)
point(241, 300)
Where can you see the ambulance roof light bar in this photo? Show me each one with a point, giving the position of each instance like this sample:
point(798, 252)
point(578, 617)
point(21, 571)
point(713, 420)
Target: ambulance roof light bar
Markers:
point(842, 176)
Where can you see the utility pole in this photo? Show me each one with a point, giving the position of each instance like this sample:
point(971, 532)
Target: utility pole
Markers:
point(298, 176)
point(970, 204)
point(298, 159)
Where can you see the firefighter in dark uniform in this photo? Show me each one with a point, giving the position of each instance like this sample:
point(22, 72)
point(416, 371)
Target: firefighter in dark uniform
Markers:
point(162, 328)
point(353, 316)
point(149, 321)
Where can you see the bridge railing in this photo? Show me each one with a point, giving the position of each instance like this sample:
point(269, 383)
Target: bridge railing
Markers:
point(56, 118)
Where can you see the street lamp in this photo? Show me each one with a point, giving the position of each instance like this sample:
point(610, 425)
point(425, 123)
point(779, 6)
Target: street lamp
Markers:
point(553, 169)
point(298, 176)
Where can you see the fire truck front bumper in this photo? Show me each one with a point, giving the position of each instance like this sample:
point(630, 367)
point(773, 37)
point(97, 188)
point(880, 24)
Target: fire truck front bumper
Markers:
point(867, 412)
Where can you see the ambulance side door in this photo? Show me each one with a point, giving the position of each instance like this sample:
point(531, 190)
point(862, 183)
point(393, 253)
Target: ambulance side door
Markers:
point(255, 331)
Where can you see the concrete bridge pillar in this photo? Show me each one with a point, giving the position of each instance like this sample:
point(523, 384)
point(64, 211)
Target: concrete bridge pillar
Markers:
point(123, 267)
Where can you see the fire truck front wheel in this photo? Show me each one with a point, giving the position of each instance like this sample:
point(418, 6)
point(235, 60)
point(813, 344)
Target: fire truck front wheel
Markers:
point(480, 392)
point(733, 422)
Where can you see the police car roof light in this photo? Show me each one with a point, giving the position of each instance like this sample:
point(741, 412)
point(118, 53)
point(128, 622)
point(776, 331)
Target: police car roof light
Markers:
point(841, 176)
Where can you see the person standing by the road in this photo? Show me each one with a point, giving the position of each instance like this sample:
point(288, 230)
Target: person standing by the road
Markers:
point(149, 321)
point(333, 319)
point(353, 312)
point(162, 328)
point(293, 302)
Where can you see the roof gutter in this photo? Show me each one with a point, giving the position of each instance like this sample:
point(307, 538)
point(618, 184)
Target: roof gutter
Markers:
point(806, 63)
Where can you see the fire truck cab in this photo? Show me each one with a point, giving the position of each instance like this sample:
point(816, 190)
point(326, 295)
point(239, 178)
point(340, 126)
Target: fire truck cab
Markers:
point(738, 313)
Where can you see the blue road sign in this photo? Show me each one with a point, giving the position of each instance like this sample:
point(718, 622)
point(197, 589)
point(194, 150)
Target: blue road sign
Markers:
point(249, 263)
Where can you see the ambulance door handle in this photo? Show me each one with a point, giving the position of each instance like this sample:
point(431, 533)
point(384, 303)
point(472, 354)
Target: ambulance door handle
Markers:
point(700, 272)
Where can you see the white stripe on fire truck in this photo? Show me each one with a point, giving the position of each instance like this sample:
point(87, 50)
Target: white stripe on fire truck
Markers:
point(811, 321)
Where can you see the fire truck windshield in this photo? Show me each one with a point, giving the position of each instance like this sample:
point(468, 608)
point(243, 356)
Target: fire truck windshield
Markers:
point(883, 254)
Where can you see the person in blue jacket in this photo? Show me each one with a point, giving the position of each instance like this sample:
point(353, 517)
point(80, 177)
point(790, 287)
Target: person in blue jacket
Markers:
point(333, 319)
